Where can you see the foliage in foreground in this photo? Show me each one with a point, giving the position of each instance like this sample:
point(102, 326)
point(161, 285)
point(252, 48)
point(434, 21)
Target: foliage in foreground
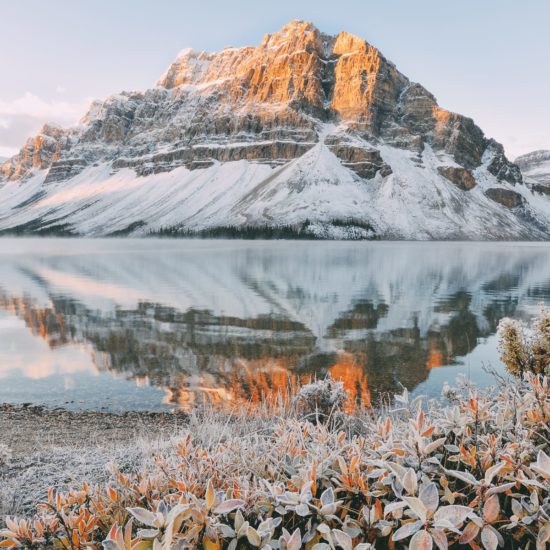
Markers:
point(473, 474)
point(526, 348)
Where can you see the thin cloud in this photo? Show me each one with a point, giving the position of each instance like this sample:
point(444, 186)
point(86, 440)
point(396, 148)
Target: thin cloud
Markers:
point(31, 105)
point(7, 152)
point(22, 117)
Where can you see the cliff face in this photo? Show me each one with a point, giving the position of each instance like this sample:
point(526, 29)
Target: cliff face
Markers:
point(325, 117)
point(535, 168)
point(39, 152)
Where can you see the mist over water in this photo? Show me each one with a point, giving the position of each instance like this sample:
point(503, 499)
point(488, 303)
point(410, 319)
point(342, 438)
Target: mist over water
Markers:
point(128, 324)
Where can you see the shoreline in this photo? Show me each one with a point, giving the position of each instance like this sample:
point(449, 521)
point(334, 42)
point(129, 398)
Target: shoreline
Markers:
point(42, 447)
point(61, 427)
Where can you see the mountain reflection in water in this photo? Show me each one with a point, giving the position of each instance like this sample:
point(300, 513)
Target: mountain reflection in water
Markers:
point(234, 321)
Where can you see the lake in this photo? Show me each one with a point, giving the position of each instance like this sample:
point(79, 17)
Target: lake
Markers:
point(129, 324)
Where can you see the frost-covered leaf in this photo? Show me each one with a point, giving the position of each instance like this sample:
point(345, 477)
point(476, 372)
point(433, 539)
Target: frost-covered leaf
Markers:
point(493, 471)
point(489, 539)
point(407, 530)
point(421, 541)
point(500, 488)
point(327, 497)
point(145, 516)
point(226, 531)
point(295, 541)
point(430, 496)
point(323, 528)
point(469, 533)
point(397, 469)
point(253, 536)
point(239, 520)
point(229, 505)
point(302, 509)
point(343, 539)
point(440, 539)
point(417, 506)
point(491, 509)
point(434, 445)
point(394, 506)
point(542, 465)
point(543, 536)
point(403, 398)
point(454, 514)
point(210, 495)
point(409, 481)
point(467, 477)
point(147, 533)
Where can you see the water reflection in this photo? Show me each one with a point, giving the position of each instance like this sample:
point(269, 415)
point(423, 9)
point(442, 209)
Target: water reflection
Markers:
point(226, 321)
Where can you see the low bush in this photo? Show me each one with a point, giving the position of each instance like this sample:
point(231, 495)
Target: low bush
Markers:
point(320, 400)
point(526, 348)
point(474, 473)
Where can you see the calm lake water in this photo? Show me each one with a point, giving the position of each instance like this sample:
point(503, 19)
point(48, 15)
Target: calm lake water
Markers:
point(148, 324)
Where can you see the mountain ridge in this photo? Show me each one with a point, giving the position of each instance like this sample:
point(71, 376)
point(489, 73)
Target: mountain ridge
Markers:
point(305, 126)
point(535, 167)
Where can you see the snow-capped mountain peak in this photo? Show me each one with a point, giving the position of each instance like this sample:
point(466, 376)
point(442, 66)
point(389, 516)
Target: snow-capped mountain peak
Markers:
point(306, 130)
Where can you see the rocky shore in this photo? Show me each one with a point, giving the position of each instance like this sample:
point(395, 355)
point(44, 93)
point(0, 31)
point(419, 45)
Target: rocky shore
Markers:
point(42, 447)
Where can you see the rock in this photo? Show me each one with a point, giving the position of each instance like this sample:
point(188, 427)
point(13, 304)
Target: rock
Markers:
point(64, 169)
point(461, 177)
point(499, 165)
point(365, 163)
point(38, 153)
point(506, 197)
point(535, 168)
point(539, 188)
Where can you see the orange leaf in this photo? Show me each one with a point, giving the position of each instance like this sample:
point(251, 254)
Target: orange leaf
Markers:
point(210, 495)
point(428, 432)
point(491, 509)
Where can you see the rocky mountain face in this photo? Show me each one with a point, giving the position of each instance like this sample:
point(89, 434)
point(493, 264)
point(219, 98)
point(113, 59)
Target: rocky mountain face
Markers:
point(305, 130)
point(535, 168)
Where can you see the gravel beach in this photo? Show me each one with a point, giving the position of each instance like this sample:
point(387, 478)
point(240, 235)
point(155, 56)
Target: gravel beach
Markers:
point(41, 447)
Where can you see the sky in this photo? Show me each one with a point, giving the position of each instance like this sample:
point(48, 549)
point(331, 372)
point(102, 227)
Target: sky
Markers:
point(487, 59)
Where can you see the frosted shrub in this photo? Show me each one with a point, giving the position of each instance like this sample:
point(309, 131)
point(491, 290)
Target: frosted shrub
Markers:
point(526, 349)
point(474, 474)
point(320, 399)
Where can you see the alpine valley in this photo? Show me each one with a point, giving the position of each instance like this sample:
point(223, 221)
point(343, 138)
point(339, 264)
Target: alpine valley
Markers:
point(304, 135)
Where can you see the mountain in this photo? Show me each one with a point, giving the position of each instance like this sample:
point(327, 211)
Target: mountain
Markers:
point(535, 168)
point(318, 133)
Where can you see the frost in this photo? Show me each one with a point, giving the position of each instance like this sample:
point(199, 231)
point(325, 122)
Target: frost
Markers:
point(321, 398)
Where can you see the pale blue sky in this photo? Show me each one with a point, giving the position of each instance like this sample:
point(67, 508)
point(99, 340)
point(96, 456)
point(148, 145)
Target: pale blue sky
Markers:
point(488, 59)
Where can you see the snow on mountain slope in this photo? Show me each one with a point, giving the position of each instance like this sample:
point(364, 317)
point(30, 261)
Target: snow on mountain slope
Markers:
point(535, 168)
point(306, 130)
